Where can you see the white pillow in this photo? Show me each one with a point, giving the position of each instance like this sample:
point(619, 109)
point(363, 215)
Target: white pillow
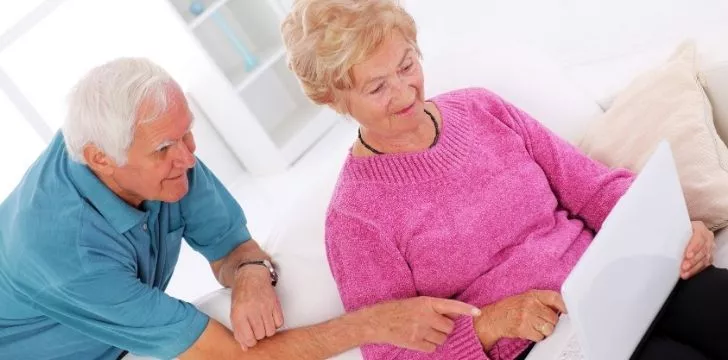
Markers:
point(306, 289)
point(668, 102)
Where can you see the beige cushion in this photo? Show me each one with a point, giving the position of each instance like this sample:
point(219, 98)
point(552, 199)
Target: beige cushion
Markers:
point(668, 103)
point(715, 78)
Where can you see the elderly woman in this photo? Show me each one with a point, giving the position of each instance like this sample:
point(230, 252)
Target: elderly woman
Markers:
point(463, 196)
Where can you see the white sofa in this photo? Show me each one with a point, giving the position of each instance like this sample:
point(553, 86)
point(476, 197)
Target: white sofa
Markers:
point(307, 291)
point(526, 77)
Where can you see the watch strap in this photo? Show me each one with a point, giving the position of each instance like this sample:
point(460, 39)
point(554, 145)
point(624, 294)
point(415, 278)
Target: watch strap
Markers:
point(266, 264)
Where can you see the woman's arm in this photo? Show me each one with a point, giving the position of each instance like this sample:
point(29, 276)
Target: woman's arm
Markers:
point(369, 269)
point(586, 188)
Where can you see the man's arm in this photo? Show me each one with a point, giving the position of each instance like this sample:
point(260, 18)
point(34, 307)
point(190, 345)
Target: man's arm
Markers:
point(111, 305)
point(226, 267)
point(256, 312)
point(222, 237)
point(417, 323)
point(315, 342)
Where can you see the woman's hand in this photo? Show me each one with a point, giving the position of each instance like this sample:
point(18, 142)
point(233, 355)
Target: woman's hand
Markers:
point(531, 315)
point(699, 253)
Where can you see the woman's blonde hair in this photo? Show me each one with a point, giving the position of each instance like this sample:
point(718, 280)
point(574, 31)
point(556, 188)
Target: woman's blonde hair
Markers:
point(326, 38)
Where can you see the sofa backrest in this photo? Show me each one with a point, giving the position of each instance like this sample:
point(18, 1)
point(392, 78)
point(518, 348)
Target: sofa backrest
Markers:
point(522, 76)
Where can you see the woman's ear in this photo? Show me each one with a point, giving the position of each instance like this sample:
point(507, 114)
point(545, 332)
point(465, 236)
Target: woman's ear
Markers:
point(339, 103)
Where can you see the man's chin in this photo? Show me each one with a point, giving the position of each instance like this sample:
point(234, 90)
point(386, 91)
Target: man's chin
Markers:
point(175, 195)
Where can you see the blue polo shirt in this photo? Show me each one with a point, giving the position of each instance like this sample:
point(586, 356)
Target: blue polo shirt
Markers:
point(82, 273)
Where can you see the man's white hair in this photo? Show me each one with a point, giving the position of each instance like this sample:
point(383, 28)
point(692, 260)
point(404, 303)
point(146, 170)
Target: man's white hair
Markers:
point(103, 107)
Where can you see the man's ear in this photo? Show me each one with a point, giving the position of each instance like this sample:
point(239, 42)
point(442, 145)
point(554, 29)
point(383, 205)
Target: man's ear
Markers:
point(98, 161)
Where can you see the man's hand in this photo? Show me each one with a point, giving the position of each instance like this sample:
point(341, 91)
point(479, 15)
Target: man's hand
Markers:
point(256, 312)
point(699, 253)
point(420, 323)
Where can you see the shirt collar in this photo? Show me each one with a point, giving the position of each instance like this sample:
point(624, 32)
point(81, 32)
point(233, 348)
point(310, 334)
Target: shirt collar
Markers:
point(118, 213)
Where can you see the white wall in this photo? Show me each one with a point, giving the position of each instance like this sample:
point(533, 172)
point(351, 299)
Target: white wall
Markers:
point(600, 44)
point(79, 34)
point(19, 145)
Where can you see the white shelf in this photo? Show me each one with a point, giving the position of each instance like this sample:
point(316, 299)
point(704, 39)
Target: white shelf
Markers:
point(300, 132)
point(194, 24)
point(264, 102)
point(278, 8)
point(241, 79)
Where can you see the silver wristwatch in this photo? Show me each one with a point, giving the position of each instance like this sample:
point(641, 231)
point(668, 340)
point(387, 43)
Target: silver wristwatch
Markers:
point(267, 264)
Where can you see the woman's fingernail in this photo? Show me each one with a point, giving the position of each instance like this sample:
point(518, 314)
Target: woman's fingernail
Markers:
point(476, 312)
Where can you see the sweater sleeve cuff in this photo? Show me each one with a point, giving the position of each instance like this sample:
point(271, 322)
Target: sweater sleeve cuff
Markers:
point(465, 342)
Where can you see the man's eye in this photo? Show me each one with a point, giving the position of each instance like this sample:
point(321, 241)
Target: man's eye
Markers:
point(408, 67)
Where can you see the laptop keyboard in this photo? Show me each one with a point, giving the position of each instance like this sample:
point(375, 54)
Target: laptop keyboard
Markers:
point(572, 350)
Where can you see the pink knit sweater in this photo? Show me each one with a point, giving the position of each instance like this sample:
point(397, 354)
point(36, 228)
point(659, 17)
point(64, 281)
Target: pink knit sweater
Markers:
point(499, 206)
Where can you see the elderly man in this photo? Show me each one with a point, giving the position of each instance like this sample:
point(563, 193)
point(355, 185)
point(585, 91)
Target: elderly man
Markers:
point(90, 237)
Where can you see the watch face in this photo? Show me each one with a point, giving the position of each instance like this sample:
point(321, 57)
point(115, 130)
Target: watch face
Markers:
point(273, 272)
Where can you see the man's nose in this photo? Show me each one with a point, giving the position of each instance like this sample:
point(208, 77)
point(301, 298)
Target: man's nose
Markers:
point(184, 158)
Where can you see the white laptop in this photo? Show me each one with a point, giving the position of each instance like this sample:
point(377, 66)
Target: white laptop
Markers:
point(621, 282)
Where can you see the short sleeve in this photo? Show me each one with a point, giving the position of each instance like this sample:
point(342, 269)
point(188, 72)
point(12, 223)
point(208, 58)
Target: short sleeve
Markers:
point(112, 306)
point(215, 223)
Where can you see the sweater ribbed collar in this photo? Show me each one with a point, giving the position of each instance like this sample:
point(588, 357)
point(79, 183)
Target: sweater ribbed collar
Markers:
point(448, 154)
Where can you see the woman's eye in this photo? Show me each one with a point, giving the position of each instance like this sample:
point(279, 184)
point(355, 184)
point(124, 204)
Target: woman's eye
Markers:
point(378, 89)
point(408, 67)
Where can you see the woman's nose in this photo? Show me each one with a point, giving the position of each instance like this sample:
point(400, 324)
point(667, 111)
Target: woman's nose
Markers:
point(401, 88)
point(400, 83)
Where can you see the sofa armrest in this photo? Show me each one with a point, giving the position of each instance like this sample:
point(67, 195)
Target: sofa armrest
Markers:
point(720, 257)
